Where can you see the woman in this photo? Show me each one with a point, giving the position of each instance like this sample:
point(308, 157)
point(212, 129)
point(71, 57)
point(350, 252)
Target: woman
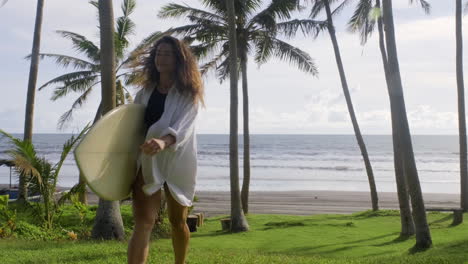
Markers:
point(172, 92)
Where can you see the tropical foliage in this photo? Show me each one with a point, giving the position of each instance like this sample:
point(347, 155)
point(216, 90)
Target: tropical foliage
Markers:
point(41, 175)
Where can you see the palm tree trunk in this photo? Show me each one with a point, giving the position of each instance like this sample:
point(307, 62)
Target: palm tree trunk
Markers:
point(357, 132)
point(238, 221)
point(108, 222)
point(245, 102)
point(423, 236)
point(29, 114)
point(407, 224)
point(461, 108)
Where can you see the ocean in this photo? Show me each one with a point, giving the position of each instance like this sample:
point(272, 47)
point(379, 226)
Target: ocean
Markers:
point(295, 162)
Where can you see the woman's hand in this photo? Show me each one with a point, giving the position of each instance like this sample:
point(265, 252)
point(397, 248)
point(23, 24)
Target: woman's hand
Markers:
point(153, 146)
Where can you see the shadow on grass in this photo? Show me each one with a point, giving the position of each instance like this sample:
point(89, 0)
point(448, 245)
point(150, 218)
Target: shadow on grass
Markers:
point(400, 239)
point(212, 234)
point(379, 213)
point(372, 238)
point(441, 220)
point(286, 224)
point(303, 251)
point(90, 258)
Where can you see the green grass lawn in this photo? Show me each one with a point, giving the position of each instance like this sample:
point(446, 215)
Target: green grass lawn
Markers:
point(357, 238)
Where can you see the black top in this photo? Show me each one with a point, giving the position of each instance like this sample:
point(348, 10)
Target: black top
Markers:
point(155, 107)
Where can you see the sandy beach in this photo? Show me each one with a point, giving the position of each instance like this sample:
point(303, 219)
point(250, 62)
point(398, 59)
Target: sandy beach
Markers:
point(303, 202)
point(311, 202)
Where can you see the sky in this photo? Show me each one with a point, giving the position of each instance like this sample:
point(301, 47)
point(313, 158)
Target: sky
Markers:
point(283, 100)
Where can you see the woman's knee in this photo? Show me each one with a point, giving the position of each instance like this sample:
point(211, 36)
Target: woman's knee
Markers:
point(145, 221)
point(145, 213)
point(178, 224)
point(177, 216)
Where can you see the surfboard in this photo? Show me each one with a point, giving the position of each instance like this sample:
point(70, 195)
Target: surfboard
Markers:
point(107, 154)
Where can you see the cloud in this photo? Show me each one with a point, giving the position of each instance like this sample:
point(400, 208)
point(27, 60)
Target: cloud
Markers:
point(427, 118)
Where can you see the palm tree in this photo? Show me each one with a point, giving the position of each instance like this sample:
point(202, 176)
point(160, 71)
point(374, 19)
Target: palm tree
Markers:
point(87, 74)
point(256, 33)
point(368, 13)
point(108, 222)
point(423, 236)
point(238, 220)
point(29, 114)
point(461, 107)
point(318, 7)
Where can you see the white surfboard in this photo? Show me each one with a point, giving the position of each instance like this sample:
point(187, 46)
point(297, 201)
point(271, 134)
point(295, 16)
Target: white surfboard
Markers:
point(107, 155)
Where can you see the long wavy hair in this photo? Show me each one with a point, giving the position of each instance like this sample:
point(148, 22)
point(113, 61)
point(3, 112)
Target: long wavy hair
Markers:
point(188, 78)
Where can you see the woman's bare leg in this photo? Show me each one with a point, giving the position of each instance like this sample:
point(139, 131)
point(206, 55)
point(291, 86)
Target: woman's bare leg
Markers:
point(145, 210)
point(180, 231)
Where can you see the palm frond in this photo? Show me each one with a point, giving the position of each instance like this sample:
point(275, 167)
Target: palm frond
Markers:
point(67, 196)
point(65, 61)
point(204, 49)
point(188, 29)
point(64, 119)
point(23, 154)
point(263, 47)
point(319, 7)
point(206, 21)
point(212, 64)
point(242, 9)
point(133, 78)
point(277, 10)
point(81, 44)
point(294, 55)
point(224, 69)
point(246, 8)
point(25, 167)
point(219, 7)
point(362, 20)
point(77, 85)
point(68, 116)
point(128, 6)
point(341, 7)
point(308, 27)
point(68, 78)
point(94, 3)
point(176, 11)
point(125, 27)
point(424, 4)
point(42, 181)
point(67, 147)
point(211, 33)
point(200, 32)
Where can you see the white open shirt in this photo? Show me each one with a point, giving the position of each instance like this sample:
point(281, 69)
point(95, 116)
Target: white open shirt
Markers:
point(177, 164)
